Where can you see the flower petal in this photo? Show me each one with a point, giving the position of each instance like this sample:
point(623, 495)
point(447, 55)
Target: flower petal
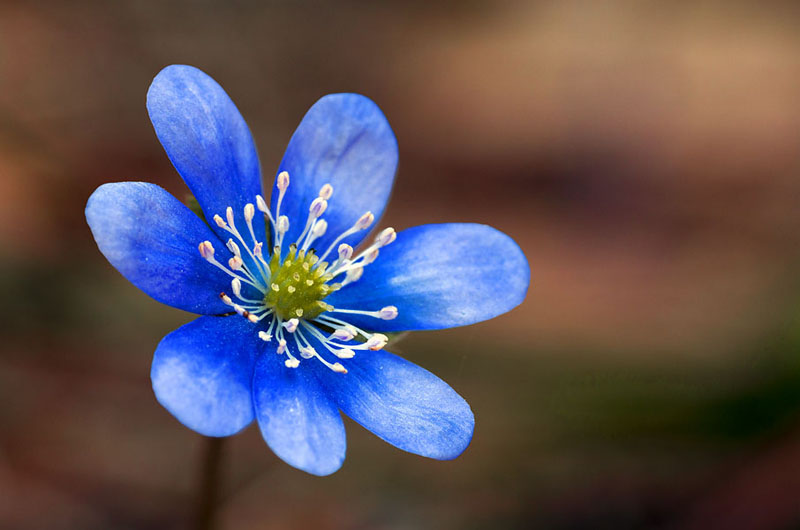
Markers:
point(297, 418)
point(404, 404)
point(207, 141)
point(439, 276)
point(152, 239)
point(344, 140)
point(202, 374)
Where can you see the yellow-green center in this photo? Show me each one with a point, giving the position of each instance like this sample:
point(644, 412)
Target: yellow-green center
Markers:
point(296, 287)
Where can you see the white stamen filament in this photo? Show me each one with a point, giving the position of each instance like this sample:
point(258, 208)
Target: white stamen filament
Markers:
point(363, 222)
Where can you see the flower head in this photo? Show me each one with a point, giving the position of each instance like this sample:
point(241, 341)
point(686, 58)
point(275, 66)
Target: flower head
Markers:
point(295, 309)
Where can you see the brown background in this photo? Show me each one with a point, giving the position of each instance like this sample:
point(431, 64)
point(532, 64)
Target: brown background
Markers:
point(644, 155)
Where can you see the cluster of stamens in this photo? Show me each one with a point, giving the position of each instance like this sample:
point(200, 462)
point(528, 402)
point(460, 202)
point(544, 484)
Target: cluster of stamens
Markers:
point(289, 290)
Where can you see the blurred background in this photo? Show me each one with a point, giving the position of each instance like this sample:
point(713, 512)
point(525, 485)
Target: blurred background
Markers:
point(644, 155)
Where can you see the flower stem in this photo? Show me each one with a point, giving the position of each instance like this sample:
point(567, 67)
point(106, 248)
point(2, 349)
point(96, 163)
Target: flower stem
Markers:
point(208, 491)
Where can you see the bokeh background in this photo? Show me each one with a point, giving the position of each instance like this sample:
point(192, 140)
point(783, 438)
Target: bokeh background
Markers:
point(644, 155)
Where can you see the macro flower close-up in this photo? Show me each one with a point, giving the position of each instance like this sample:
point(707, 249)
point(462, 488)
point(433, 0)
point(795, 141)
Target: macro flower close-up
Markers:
point(298, 299)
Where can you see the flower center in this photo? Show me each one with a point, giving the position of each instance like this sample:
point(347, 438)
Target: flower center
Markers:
point(297, 287)
point(283, 296)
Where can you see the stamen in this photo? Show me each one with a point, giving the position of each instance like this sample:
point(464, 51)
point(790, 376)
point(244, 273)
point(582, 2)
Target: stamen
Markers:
point(262, 207)
point(234, 248)
point(307, 352)
point(388, 313)
point(386, 236)
point(281, 228)
point(363, 222)
point(377, 342)
point(206, 250)
point(371, 256)
point(235, 263)
point(283, 181)
point(343, 334)
point(283, 224)
point(318, 207)
point(263, 335)
point(291, 325)
point(353, 275)
point(345, 353)
point(345, 251)
point(249, 212)
point(318, 229)
point(257, 250)
point(326, 191)
point(332, 322)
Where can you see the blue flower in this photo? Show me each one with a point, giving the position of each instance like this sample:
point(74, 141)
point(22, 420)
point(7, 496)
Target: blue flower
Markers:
point(293, 318)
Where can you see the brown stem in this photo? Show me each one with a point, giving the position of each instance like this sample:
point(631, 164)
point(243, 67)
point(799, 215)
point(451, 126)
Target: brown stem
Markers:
point(208, 491)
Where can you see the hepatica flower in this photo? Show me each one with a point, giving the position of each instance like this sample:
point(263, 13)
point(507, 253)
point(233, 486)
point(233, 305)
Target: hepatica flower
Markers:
point(293, 317)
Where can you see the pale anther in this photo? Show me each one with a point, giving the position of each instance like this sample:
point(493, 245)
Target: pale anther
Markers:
point(388, 313)
point(262, 205)
point(343, 334)
point(291, 325)
point(371, 256)
point(249, 212)
point(345, 251)
point(364, 221)
point(206, 250)
point(377, 341)
point(326, 191)
point(353, 275)
point(318, 207)
point(283, 224)
point(345, 353)
point(319, 228)
point(263, 335)
point(386, 236)
point(283, 180)
point(233, 247)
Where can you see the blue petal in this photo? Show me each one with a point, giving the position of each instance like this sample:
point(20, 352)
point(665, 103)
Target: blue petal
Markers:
point(152, 239)
point(343, 140)
point(298, 420)
point(207, 141)
point(402, 403)
point(439, 276)
point(202, 374)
